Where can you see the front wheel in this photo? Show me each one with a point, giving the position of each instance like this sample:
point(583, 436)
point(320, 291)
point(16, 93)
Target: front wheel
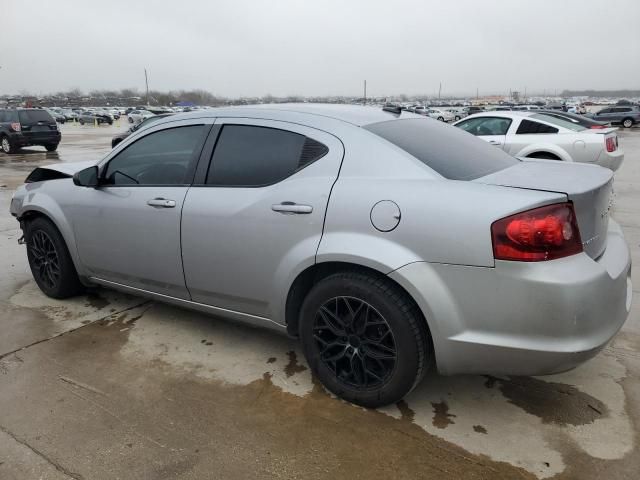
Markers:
point(50, 261)
point(6, 145)
point(441, 119)
point(81, 122)
point(364, 338)
point(457, 118)
point(627, 123)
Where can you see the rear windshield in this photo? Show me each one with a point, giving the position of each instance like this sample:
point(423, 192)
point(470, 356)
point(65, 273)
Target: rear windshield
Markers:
point(450, 151)
point(559, 122)
point(35, 116)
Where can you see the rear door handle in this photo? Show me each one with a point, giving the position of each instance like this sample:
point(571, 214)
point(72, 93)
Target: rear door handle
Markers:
point(161, 202)
point(291, 208)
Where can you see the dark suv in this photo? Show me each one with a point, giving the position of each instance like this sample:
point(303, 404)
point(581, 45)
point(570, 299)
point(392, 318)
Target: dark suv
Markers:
point(22, 127)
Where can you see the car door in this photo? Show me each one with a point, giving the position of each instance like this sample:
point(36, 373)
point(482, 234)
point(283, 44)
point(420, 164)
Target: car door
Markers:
point(604, 115)
point(492, 129)
point(128, 228)
point(254, 217)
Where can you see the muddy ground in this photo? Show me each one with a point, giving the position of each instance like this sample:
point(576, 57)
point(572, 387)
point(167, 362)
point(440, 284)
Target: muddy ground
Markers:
point(109, 386)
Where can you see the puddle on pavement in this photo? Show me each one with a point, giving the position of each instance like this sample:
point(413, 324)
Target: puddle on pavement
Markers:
point(508, 420)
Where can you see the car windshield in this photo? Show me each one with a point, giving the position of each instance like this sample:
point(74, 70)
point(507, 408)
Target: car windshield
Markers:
point(34, 116)
point(450, 151)
point(559, 122)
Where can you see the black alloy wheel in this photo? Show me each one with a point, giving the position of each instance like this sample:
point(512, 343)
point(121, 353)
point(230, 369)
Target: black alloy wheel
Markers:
point(355, 342)
point(45, 259)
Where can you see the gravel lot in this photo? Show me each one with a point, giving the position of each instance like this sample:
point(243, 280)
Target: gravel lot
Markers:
point(109, 386)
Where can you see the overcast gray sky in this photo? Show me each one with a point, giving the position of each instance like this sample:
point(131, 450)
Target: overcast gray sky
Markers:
point(321, 47)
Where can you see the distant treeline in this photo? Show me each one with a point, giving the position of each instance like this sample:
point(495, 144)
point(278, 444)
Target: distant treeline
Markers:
point(602, 93)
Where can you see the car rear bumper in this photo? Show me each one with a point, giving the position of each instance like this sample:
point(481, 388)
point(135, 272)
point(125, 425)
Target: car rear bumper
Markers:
point(611, 160)
point(523, 318)
point(24, 139)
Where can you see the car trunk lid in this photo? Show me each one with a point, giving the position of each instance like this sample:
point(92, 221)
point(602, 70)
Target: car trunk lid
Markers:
point(589, 187)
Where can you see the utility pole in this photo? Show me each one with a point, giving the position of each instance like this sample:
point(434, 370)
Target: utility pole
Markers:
point(146, 81)
point(476, 93)
point(439, 91)
point(365, 92)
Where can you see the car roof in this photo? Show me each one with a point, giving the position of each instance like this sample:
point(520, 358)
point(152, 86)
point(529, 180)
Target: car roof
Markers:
point(506, 113)
point(353, 114)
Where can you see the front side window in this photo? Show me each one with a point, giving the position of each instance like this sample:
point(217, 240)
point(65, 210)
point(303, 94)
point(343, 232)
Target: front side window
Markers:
point(482, 126)
point(253, 156)
point(528, 127)
point(160, 158)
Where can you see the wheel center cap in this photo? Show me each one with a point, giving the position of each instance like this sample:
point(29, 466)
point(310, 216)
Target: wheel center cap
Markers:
point(354, 341)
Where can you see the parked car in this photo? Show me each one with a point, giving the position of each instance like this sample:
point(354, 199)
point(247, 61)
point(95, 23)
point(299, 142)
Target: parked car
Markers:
point(535, 135)
point(441, 114)
point(627, 116)
point(574, 118)
point(23, 127)
point(458, 113)
point(58, 117)
point(472, 110)
point(69, 114)
point(94, 117)
point(134, 128)
point(281, 216)
point(137, 116)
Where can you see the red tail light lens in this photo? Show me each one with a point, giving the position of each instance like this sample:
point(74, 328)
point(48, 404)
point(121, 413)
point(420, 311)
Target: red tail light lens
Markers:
point(597, 127)
point(610, 143)
point(16, 127)
point(544, 233)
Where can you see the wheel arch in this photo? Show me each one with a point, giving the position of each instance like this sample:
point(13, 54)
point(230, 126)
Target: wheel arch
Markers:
point(545, 149)
point(313, 274)
point(62, 225)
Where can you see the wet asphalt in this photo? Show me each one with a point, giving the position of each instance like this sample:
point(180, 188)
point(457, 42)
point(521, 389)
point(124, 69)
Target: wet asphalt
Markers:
point(110, 386)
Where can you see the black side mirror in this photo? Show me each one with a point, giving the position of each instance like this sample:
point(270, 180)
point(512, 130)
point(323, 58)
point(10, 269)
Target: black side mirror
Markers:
point(87, 177)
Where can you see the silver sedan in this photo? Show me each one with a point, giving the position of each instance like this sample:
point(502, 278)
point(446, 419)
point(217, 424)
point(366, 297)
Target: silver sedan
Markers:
point(387, 242)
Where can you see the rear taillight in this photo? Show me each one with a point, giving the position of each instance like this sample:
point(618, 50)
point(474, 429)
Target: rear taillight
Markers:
point(15, 126)
point(610, 143)
point(544, 233)
point(597, 127)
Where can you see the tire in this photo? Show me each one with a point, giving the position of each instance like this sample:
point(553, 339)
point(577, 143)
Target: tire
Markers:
point(544, 156)
point(49, 260)
point(52, 147)
point(441, 119)
point(627, 122)
point(395, 329)
point(458, 118)
point(6, 145)
point(81, 122)
point(130, 119)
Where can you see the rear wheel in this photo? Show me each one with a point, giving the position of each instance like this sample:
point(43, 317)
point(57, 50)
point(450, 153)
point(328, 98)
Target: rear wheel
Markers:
point(364, 338)
point(544, 156)
point(81, 122)
point(627, 122)
point(6, 145)
point(441, 119)
point(52, 147)
point(50, 261)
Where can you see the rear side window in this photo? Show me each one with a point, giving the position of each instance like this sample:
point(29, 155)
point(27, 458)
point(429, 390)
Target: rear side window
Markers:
point(34, 116)
point(450, 151)
point(252, 156)
point(529, 127)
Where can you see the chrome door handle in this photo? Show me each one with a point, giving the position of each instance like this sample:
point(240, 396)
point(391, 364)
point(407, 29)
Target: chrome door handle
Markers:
point(494, 142)
point(291, 208)
point(161, 202)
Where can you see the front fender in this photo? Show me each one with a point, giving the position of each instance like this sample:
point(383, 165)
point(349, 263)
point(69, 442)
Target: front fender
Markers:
point(36, 199)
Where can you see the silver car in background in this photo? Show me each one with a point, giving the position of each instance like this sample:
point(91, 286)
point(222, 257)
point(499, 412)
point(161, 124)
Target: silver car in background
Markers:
point(387, 242)
point(537, 135)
